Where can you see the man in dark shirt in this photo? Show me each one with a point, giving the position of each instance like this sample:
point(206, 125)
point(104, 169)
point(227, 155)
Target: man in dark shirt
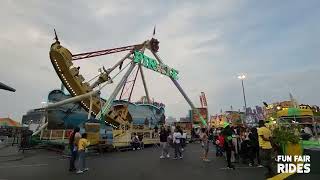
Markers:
point(227, 133)
point(254, 147)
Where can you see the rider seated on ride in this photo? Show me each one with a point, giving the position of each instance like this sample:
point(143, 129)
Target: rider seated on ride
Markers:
point(135, 142)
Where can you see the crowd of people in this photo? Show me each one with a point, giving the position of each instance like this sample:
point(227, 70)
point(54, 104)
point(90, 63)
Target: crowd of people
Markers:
point(237, 144)
point(248, 145)
point(176, 140)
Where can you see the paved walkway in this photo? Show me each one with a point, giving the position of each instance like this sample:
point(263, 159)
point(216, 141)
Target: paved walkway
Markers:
point(132, 165)
point(10, 153)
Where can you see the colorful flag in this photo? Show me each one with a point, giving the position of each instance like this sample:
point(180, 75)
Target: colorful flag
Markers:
point(201, 101)
point(204, 99)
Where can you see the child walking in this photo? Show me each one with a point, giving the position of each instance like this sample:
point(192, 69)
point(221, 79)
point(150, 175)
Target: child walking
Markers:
point(82, 146)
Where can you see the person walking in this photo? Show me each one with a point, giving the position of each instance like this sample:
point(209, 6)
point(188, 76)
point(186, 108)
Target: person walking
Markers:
point(254, 147)
point(182, 139)
point(73, 142)
point(205, 143)
point(235, 144)
point(177, 144)
point(264, 136)
point(164, 143)
point(227, 133)
point(82, 147)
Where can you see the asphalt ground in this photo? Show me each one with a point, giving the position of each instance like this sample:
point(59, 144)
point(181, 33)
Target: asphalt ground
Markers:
point(130, 165)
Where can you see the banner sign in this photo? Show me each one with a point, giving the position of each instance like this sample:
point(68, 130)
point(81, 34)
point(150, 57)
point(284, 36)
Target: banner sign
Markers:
point(154, 65)
point(202, 111)
point(203, 99)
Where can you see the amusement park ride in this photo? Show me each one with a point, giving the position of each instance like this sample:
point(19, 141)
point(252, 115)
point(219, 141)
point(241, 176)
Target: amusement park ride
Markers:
point(88, 92)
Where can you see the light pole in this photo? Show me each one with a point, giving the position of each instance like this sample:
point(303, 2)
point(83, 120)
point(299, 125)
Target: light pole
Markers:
point(242, 77)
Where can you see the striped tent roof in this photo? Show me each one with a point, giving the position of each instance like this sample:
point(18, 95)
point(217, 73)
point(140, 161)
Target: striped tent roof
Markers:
point(9, 122)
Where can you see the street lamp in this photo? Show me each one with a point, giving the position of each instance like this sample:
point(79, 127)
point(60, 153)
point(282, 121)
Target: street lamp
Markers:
point(242, 77)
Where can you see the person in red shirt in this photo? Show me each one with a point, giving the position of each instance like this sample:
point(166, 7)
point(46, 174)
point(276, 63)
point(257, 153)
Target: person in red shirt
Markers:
point(219, 145)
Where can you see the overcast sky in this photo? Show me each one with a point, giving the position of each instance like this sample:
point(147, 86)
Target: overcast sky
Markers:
point(275, 43)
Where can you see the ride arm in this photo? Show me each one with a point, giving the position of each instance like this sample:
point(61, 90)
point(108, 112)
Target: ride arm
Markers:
point(104, 52)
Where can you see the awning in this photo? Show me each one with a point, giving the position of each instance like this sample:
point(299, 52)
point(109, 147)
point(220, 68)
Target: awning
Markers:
point(7, 122)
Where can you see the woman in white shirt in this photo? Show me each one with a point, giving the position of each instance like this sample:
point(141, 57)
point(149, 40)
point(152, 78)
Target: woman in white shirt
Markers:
point(177, 144)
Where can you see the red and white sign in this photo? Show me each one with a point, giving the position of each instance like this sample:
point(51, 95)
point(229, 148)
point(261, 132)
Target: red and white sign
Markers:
point(203, 100)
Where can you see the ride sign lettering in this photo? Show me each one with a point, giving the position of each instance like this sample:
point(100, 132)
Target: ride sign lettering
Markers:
point(154, 65)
